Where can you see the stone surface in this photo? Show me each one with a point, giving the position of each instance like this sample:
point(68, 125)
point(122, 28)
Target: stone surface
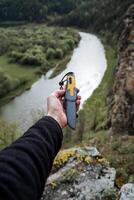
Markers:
point(127, 192)
point(89, 178)
point(122, 100)
point(91, 151)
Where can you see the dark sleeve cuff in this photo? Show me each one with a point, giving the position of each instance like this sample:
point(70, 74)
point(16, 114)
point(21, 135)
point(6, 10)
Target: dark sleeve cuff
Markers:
point(53, 122)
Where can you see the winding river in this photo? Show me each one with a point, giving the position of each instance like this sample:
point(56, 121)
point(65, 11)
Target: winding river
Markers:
point(88, 62)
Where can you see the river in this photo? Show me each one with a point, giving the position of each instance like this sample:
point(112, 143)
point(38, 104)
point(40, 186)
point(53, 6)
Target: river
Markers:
point(88, 62)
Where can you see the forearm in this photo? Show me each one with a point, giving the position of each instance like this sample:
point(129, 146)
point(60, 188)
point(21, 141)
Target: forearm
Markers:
point(26, 164)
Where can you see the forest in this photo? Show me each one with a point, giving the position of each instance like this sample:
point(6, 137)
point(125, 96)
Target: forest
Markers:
point(91, 15)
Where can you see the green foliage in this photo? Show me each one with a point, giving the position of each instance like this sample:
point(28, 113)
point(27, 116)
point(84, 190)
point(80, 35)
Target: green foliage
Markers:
point(110, 194)
point(58, 53)
point(15, 56)
point(4, 44)
point(119, 151)
point(8, 84)
point(29, 47)
point(103, 15)
point(96, 108)
point(50, 54)
point(8, 133)
point(30, 59)
point(70, 42)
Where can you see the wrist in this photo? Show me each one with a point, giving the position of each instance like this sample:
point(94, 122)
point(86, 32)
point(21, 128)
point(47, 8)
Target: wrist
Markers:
point(56, 119)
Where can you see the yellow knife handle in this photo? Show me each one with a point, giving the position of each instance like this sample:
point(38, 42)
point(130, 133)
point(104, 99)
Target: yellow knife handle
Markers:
point(70, 100)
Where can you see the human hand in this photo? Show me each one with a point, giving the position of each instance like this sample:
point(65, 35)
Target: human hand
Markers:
point(55, 107)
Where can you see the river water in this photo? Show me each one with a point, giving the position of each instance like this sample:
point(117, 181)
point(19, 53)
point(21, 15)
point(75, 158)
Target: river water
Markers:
point(88, 62)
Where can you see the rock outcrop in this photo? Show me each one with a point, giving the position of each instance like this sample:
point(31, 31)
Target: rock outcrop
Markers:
point(122, 105)
point(82, 174)
point(127, 192)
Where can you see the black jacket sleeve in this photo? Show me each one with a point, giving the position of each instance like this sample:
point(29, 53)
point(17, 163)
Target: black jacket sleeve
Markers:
point(26, 164)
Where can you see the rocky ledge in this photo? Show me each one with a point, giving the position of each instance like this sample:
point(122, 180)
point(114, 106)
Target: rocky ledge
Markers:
point(82, 174)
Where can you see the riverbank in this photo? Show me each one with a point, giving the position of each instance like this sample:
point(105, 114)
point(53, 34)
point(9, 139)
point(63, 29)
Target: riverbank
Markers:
point(17, 72)
point(93, 116)
point(28, 51)
point(31, 75)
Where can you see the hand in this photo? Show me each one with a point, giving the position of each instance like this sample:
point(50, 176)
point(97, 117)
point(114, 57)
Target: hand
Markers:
point(55, 107)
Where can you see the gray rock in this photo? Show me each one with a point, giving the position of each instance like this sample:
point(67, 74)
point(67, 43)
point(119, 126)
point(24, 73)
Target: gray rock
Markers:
point(90, 151)
point(80, 181)
point(121, 116)
point(127, 192)
point(93, 151)
point(92, 187)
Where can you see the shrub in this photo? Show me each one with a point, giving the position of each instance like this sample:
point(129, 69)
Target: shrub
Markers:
point(50, 54)
point(66, 48)
point(37, 49)
point(16, 56)
point(58, 53)
point(71, 43)
point(2, 77)
point(4, 45)
point(30, 59)
point(4, 86)
point(52, 43)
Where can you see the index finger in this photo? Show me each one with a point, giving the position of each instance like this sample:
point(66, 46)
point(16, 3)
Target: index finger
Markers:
point(59, 93)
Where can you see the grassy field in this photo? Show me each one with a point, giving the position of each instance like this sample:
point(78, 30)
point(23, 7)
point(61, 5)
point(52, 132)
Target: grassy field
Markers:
point(17, 71)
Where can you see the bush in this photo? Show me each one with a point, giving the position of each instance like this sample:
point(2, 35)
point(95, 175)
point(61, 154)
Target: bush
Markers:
point(16, 56)
point(71, 43)
point(58, 53)
point(8, 84)
point(35, 50)
point(66, 48)
point(2, 77)
point(45, 66)
point(30, 59)
point(52, 43)
point(4, 45)
point(5, 86)
point(50, 54)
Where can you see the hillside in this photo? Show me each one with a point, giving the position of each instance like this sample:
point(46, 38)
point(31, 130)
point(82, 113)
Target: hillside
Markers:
point(95, 16)
point(107, 118)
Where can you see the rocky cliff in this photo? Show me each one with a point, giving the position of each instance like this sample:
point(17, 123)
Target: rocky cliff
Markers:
point(82, 174)
point(122, 104)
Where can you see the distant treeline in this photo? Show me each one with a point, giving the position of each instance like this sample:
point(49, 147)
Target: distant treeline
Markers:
point(33, 10)
point(105, 15)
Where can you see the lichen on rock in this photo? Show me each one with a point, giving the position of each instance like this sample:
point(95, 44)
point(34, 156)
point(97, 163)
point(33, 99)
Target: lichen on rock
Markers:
point(82, 173)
